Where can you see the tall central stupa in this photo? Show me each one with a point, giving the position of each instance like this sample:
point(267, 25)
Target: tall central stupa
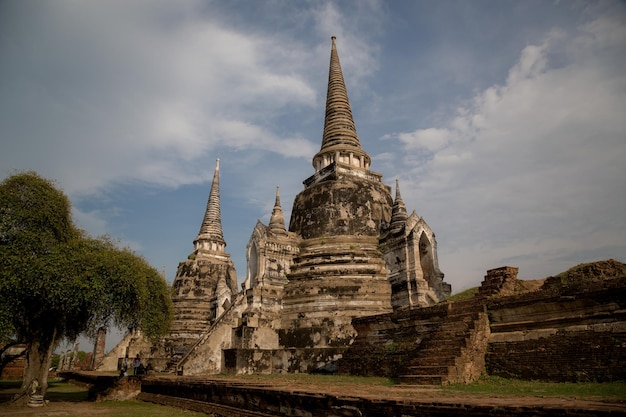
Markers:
point(339, 273)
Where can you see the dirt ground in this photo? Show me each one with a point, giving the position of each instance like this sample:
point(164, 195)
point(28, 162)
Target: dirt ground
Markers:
point(55, 409)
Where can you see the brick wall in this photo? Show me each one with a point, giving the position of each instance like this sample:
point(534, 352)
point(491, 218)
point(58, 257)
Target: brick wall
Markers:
point(577, 333)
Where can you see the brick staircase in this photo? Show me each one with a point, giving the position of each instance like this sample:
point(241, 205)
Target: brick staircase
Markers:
point(194, 353)
point(180, 351)
point(455, 353)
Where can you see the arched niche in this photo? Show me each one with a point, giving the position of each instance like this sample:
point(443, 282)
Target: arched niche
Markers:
point(253, 265)
point(427, 262)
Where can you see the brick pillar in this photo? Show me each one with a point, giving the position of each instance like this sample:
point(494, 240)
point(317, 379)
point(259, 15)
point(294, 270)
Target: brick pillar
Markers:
point(498, 280)
point(98, 348)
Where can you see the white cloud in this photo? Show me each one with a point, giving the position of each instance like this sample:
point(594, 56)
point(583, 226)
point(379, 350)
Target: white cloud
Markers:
point(242, 135)
point(430, 139)
point(102, 95)
point(532, 170)
point(126, 92)
point(352, 29)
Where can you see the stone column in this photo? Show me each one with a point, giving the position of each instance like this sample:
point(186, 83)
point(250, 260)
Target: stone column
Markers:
point(98, 348)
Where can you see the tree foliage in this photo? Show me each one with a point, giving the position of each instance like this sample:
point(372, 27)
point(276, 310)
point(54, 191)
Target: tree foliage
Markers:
point(56, 282)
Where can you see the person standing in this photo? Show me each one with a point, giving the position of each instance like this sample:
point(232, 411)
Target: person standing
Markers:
point(136, 364)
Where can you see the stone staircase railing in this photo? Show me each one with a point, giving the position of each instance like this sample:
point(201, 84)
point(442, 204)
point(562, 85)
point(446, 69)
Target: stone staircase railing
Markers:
point(227, 314)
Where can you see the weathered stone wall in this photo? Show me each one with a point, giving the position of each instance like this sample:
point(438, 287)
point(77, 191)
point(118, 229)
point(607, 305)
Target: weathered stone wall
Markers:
point(332, 281)
point(341, 205)
point(570, 332)
point(573, 333)
point(498, 280)
point(411, 257)
point(276, 361)
point(194, 291)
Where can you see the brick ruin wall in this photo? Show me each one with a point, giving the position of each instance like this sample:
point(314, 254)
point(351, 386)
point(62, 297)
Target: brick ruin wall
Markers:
point(565, 333)
point(385, 342)
point(576, 333)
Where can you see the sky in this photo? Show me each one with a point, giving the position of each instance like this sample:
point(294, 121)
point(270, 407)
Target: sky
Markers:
point(504, 121)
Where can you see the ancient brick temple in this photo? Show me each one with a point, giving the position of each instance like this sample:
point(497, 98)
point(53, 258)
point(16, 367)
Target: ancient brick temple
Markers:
point(205, 282)
point(351, 250)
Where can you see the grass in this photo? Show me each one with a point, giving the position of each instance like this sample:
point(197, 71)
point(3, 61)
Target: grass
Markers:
point(490, 385)
point(312, 379)
point(57, 391)
point(72, 401)
point(463, 295)
point(487, 385)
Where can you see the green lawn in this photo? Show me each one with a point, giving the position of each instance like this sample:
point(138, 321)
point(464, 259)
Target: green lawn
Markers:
point(71, 401)
point(490, 385)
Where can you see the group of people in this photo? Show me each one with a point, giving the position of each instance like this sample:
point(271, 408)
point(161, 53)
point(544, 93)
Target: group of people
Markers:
point(138, 368)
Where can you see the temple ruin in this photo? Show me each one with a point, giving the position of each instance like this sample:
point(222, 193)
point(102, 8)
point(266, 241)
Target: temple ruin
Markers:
point(351, 250)
point(353, 286)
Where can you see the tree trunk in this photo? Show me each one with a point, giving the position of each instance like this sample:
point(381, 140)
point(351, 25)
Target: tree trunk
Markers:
point(35, 380)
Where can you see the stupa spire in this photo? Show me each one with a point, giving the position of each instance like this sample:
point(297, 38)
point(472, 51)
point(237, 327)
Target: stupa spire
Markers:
point(277, 220)
point(398, 211)
point(211, 236)
point(340, 142)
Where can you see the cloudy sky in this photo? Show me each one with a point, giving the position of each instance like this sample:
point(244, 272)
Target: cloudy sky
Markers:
point(505, 122)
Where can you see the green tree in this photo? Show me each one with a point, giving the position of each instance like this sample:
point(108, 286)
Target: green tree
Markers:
point(56, 282)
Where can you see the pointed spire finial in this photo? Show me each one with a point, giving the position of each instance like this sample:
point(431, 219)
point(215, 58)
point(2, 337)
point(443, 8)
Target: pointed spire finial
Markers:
point(277, 220)
point(398, 196)
point(398, 211)
point(211, 236)
point(339, 139)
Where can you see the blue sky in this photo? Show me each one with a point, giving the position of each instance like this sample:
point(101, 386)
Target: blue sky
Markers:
point(504, 121)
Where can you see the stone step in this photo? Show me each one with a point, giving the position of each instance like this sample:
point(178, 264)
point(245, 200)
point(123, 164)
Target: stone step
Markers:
point(443, 370)
point(454, 326)
point(461, 321)
point(421, 379)
point(439, 352)
point(444, 342)
point(433, 361)
point(451, 335)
